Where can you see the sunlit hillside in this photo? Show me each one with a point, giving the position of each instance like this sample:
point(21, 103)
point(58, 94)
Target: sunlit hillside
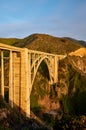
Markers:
point(45, 43)
point(80, 52)
point(50, 44)
point(9, 41)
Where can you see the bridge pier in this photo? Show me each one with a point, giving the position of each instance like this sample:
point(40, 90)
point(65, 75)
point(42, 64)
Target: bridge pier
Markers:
point(56, 69)
point(2, 73)
point(26, 58)
point(11, 80)
point(16, 84)
point(21, 81)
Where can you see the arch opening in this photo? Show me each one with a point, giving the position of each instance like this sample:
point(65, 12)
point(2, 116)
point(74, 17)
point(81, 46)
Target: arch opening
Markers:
point(38, 63)
point(41, 87)
point(43, 68)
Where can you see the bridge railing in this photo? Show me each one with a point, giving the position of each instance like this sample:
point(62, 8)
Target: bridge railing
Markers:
point(10, 48)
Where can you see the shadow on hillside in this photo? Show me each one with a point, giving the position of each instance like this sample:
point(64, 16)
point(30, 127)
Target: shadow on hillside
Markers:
point(15, 118)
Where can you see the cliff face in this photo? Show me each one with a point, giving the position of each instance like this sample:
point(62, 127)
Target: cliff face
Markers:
point(79, 63)
point(72, 80)
point(78, 60)
point(72, 84)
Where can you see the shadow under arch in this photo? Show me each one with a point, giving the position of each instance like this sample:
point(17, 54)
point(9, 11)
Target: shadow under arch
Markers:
point(40, 87)
point(44, 70)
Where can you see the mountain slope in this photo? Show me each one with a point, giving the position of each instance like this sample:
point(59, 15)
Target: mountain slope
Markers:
point(80, 52)
point(9, 41)
point(45, 43)
point(50, 44)
point(83, 43)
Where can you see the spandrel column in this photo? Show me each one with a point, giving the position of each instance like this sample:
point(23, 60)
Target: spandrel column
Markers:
point(2, 73)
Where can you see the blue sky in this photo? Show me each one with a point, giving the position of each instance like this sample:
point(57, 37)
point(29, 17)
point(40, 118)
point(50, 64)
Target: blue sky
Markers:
point(61, 18)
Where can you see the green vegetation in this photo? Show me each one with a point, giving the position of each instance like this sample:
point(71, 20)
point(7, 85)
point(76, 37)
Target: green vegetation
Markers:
point(9, 41)
point(66, 104)
point(3, 128)
point(39, 89)
point(75, 101)
point(72, 103)
point(67, 122)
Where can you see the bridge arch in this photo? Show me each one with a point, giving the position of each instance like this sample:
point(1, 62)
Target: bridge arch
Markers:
point(36, 65)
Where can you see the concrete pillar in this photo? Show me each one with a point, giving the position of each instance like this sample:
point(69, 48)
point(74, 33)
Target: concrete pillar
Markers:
point(56, 70)
point(21, 85)
point(16, 84)
point(10, 80)
point(25, 82)
point(28, 82)
point(2, 73)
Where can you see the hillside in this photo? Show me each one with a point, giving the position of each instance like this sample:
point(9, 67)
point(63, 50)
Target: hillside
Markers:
point(47, 43)
point(71, 75)
point(12, 119)
point(80, 52)
point(83, 43)
point(44, 42)
point(67, 98)
point(9, 41)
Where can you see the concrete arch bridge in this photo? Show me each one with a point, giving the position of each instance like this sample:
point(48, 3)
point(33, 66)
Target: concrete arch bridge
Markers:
point(18, 68)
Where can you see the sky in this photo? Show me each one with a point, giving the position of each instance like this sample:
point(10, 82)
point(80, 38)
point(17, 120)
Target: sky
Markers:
point(60, 18)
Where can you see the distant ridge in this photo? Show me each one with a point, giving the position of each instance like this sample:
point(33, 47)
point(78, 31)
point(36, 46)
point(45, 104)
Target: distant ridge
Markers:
point(45, 43)
point(83, 43)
